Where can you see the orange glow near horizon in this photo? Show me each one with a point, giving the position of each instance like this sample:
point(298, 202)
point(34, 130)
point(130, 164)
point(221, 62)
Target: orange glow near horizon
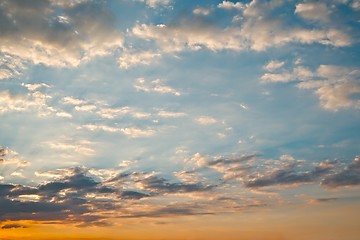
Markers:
point(305, 222)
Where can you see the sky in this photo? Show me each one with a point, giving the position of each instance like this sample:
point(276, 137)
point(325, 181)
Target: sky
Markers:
point(180, 120)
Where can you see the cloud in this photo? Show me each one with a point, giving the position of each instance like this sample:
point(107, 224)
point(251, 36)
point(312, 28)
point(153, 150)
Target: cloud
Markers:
point(97, 127)
point(11, 165)
point(131, 59)
point(134, 132)
point(167, 114)
point(335, 86)
point(313, 11)
point(12, 226)
point(57, 34)
point(273, 65)
point(155, 86)
point(156, 3)
point(228, 5)
point(202, 11)
point(255, 33)
point(206, 120)
point(72, 101)
point(72, 146)
point(189, 37)
point(348, 177)
point(10, 66)
point(160, 185)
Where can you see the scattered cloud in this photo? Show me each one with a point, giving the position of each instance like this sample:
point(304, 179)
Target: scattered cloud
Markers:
point(155, 86)
point(10, 66)
point(228, 5)
point(273, 65)
point(206, 120)
point(131, 59)
point(56, 34)
point(202, 11)
point(313, 11)
point(134, 132)
point(348, 177)
point(167, 114)
point(335, 85)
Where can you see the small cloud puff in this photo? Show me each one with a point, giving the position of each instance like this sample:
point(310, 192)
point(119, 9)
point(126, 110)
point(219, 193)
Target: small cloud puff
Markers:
point(205, 120)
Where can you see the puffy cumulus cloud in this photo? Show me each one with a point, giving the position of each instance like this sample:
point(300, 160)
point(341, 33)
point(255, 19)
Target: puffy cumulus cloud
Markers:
point(313, 11)
point(355, 4)
point(259, 30)
point(347, 177)
point(131, 59)
point(156, 3)
point(155, 86)
point(228, 5)
point(336, 86)
point(337, 96)
point(56, 33)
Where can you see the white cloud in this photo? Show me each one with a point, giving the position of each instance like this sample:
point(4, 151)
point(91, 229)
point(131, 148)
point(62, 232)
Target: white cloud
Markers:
point(64, 114)
point(273, 65)
point(131, 59)
point(206, 120)
point(81, 147)
point(86, 108)
point(313, 11)
point(155, 86)
point(335, 85)
point(167, 114)
point(137, 132)
point(355, 5)
point(95, 127)
point(72, 101)
point(202, 11)
point(178, 38)
point(227, 5)
point(33, 87)
point(156, 3)
point(336, 96)
point(35, 101)
point(299, 73)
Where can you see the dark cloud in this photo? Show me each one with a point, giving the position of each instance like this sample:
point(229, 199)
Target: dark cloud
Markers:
point(160, 185)
point(11, 226)
point(289, 174)
point(350, 176)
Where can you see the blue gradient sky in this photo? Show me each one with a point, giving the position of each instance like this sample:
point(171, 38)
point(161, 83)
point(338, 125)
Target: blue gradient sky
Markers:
point(160, 109)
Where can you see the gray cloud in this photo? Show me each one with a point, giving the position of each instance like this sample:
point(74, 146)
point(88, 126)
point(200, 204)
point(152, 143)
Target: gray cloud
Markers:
point(11, 226)
point(289, 174)
point(57, 34)
point(350, 176)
